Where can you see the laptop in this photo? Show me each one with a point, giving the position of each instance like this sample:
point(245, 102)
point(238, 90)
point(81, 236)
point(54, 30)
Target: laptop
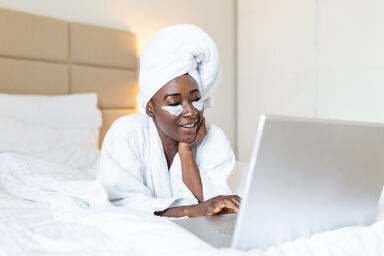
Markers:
point(305, 176)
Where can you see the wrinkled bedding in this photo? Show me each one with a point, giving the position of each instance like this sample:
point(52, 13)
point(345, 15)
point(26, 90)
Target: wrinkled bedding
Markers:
point(48, 209)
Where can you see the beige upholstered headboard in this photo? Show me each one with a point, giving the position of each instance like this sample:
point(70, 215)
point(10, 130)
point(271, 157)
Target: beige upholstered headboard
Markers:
point(40, 55)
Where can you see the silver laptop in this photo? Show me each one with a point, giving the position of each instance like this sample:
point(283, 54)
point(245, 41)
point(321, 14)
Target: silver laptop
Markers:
point(305, 176)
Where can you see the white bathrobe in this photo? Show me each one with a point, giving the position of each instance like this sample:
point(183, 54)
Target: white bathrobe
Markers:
point(134, 170)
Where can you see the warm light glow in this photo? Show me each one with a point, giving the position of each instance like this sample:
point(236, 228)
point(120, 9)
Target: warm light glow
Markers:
point(143, 31)
point(137, 93)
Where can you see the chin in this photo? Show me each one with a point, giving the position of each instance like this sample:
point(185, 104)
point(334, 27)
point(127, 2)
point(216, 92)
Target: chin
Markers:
point(188, 140)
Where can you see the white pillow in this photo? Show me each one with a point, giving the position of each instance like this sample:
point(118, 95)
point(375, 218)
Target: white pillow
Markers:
point(58, 111)
point(62, 129)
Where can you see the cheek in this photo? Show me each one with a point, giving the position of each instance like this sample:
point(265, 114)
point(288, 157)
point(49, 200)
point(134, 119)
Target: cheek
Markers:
point(167, 124)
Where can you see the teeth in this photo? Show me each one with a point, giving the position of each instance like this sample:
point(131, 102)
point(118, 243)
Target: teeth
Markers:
point(188, 125)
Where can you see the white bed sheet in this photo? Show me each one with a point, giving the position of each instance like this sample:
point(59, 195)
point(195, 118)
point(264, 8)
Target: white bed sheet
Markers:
point(52, 210)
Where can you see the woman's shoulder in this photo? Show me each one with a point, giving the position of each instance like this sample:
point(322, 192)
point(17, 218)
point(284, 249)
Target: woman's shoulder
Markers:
point(215, 139)
point(214, 149)
point(214, 132)
point(130, 122)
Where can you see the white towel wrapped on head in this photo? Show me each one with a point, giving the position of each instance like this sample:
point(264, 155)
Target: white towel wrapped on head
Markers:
point(174, 51)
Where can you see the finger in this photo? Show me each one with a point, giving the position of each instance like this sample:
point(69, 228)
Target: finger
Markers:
point(202, 127)
point(231, 204)
point(227, 211)
point(210, 210)
point(236, 200)
point(227, 206)
point(201, 132)
point(201, 124)
point(219, 207)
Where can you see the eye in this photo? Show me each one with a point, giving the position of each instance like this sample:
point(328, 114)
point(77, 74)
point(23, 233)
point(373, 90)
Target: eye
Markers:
point(197, 99)
point(173, 104)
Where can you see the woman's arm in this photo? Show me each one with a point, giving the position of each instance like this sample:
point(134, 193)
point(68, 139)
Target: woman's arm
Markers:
point(190, 171)
point(213, 206)
point(179, 211)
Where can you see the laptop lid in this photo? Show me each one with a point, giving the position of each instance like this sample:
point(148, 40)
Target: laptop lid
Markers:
point(308, 176)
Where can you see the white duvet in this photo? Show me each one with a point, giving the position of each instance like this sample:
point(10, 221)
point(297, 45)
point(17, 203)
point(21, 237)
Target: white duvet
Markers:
point(48, 209)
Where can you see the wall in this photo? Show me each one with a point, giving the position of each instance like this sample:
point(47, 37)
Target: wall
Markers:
point(144, 17)
point(300, 57)
point(308, 58)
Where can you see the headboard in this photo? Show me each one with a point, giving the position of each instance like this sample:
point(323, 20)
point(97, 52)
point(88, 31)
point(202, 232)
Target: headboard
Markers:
point(41, 55)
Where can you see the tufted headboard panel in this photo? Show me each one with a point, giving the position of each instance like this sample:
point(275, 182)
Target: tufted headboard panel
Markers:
point(41, 55)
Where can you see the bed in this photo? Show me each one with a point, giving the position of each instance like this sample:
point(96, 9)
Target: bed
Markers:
point(62, 84)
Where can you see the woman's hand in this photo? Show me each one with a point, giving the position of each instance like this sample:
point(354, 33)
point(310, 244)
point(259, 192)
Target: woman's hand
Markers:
point(218, 205)
point(201, 132)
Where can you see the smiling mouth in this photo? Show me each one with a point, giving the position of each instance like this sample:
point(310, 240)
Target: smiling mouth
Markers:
point(189, 125)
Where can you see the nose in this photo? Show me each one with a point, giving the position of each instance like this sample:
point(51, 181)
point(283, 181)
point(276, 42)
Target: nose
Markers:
point(189, 110)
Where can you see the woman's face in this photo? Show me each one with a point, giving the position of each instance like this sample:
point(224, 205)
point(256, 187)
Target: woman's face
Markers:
point(175, 111)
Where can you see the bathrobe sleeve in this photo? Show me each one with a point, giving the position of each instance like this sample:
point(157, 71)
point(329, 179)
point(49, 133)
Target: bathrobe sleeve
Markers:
point(122, 172)
point(216, 161)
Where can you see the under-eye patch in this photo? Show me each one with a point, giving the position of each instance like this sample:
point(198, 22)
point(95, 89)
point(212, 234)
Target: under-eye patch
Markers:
point(177, 110)
point(199, 105)
point(174, 110)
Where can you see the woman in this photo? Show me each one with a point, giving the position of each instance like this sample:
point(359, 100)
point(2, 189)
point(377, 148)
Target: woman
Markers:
point(168, 160)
